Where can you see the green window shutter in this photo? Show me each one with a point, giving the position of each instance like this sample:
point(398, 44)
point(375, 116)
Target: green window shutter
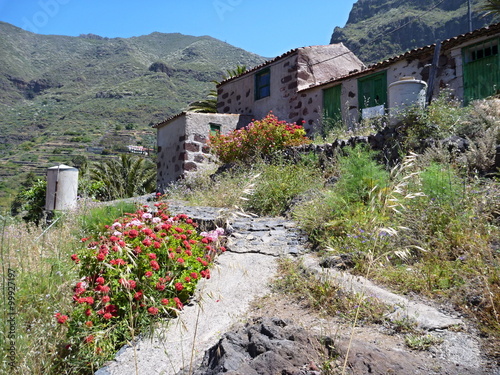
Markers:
point(214, 129)
point(262, 84)
point(332, 110)
point(372, 90)
point(481, 67)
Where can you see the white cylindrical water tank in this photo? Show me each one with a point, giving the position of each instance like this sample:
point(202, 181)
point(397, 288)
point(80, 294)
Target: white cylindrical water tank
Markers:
point(62, 188)
point(403, 94)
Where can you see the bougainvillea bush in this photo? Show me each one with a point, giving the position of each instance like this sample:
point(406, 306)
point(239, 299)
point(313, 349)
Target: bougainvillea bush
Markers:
point(144, 267)
point(261, 137)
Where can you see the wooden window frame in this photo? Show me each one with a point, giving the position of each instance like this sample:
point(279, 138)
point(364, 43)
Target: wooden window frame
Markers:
point(259, 85)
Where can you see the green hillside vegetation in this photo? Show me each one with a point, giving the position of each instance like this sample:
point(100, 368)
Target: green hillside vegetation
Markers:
point(60, 95)
point(378, 29)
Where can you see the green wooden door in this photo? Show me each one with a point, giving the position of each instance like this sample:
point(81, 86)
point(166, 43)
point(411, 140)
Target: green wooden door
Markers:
point(481, 70)
point(332, 110)
point(372, 90)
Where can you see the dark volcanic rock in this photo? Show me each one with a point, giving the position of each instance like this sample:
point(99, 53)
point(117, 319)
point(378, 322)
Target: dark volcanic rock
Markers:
point(263, 346)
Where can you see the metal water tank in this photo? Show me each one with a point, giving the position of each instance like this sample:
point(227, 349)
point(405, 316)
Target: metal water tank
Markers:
point(62, 188)
point(403, 94)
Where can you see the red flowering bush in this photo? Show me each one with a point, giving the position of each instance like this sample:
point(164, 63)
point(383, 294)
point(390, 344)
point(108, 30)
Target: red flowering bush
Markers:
point(145, 266)
point(262, 137)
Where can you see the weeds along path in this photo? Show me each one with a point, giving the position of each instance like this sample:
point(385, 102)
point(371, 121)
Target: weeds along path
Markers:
point(243, 274)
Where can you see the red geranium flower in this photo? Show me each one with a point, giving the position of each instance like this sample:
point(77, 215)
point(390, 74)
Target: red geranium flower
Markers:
point(154, 265)
point(178, 303)
point(61, 319)
point(179, 286)
point(89, 339)
point(153, 310)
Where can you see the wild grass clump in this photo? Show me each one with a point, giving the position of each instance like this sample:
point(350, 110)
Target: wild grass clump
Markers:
point(36, 268)
point(423, 227)
point(265, 188)
point(324, 296)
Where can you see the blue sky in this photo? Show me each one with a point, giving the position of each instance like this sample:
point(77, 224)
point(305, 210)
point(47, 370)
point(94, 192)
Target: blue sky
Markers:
point(266, 27)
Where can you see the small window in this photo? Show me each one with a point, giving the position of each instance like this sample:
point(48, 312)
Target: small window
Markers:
point(262, 84)
point(481, 50)
point(214, 129)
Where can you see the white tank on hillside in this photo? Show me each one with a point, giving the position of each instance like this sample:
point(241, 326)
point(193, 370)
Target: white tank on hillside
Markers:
point(62, 188)
point(403, 94)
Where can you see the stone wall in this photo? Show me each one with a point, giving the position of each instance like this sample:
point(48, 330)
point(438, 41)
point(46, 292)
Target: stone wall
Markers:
point(182, 143)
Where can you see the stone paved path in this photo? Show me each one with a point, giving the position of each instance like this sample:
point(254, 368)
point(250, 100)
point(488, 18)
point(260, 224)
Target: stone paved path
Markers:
point(240, 276)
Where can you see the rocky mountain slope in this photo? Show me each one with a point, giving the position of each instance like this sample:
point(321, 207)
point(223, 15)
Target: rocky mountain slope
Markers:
point(60, 95)
point(377, 29)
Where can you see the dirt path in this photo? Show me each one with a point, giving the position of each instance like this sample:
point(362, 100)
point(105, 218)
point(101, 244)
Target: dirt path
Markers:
point(239, 291)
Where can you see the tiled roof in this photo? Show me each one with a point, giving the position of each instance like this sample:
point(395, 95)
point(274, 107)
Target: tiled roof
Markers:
point(260, 66)
point(164, 122)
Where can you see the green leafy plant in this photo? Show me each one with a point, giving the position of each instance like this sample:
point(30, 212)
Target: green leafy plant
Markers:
point(259, 138)
point(146, 266)
point(124, 177)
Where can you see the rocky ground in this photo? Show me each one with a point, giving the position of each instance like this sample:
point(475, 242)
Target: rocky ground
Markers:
point(237, 325)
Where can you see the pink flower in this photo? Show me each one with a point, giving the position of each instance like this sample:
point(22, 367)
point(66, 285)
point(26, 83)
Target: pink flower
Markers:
point(179, 286)
point(148, 274)
point(147, 242)
point(106, 299)
point(180, 260)
point(107, 316)
point(154, 265)
point(100, 280)
point(152, 256)
point(75, 258)
point(164, 301)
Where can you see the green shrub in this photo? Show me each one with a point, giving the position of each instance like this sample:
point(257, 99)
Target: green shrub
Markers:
point(441, 185)
point(94, 221)
point(279, 184)
point(360, 175)
point(262, 137)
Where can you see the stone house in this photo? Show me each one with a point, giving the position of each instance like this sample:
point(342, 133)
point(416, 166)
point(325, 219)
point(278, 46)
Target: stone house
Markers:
point(276, 85)
point(468, 65)
point(318, 84)
point(181, 141)
point(314, 84)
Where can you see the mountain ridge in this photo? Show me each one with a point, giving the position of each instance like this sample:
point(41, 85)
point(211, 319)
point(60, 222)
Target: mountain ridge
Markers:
point(378, 29)
point(60, 95)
